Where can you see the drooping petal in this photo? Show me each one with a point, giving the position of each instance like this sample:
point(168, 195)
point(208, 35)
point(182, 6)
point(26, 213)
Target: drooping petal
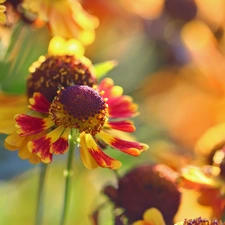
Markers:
point(13, 141)
point(7, 126)
point(154, 216)
point(124, 125)
point(86, 157)
point(39, 103)
point(29, 125)
point(23, 151)
point(34, 159)
point(42, 146)
point(122, 107)
point(128, 147)
point(100, 157)
point(61, 145)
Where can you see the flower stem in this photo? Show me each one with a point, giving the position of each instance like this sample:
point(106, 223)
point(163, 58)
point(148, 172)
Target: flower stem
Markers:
point(39, 210)
point(68, 174)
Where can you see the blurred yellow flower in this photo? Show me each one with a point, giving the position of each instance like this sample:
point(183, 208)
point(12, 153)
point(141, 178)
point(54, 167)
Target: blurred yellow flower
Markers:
point(66, 18)
point(2, 14)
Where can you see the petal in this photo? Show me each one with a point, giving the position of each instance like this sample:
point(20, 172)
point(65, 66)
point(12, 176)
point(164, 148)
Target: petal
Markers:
point(122, 107)
point(154, 216)
point(34, 159)
point(142, 222)
point(128, 147)
point(42, 146)
point(194, 178)
point(7, 126)
point(125, 125)
point(13, 141)
point(211, 139)
point(86, 157)
point(39, 103)
point(23, 152)
point(61, 145)
point(100, 157)
point(29, 125)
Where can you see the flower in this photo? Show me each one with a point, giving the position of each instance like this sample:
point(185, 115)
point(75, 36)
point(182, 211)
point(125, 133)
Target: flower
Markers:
point(151, 216)
point(151, 186)
point(66, 18)
point(92, 114)
point(63, 66)
point(200, 221)
point(2, 10)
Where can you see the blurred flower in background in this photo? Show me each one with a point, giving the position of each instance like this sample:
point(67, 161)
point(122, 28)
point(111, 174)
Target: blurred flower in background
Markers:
point(2, 10)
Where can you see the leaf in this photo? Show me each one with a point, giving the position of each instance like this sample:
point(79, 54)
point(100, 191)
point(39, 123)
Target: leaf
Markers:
point(26, 46)
point(103, 68)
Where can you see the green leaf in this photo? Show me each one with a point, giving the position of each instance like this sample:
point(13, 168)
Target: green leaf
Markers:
point(27, 44)
point(103, 68)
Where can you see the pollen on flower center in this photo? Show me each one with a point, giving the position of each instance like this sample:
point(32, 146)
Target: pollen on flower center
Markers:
point(51, 72)
point(79, 107)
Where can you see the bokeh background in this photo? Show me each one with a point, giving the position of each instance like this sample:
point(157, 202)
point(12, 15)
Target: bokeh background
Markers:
point(171, 60)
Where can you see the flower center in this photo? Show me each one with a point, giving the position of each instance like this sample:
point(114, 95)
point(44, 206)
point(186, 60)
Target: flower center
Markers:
point(79, 107)
point(52, 72)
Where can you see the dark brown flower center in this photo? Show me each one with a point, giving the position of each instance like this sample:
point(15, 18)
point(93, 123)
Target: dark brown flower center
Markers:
point(50, 73)
point(200, 221)
point(79, 107)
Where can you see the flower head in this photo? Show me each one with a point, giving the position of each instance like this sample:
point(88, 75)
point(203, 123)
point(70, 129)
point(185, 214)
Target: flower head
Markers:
point(151, 186)
point(66, 18)
point(93, 114)
point(2, 10)
point(63, 66)
point(200, 221)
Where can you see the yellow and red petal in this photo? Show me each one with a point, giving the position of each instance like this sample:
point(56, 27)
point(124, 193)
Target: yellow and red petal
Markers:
point(100, 157)
point(85, 156)
point(129, 147)
point(122, 107)
point(61, 145)
point(39, 103)
point(124, 125)
point(42, 146)
point(29, 125)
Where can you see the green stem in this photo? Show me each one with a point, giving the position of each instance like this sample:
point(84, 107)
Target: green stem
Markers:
point(68, 174)
point(39, 210)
